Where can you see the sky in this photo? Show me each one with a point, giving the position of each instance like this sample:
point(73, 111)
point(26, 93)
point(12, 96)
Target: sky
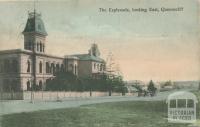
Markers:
point(153, 45)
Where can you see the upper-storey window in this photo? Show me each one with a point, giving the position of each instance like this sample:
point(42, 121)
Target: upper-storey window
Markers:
point(37, 46)
point(40, 67)
point(41, 46)
point(98, 67)
point(75, 69)
point(28, 66)
point(47, 67)
point(94, 65)
point(101, 67)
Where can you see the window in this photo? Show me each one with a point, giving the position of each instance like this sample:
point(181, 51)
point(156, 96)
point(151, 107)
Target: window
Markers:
point(94, 65)
point(71, 68)
point(190, 103)
point(172, 103)
point(40, 47)
point(28, 66)
point(47, 67)
point(37, 47)
point(75, 69)
point(40, 67)
point(40, 85)
point(181, 103)
point(57, 67)
point(101, 67)
point(62, 68)
point(28, 84)
point(43, 48)
point(52, 70)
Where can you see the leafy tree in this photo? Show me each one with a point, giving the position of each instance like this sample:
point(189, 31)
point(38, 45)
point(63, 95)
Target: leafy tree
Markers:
point(69, 82)
point(138, 87)
point(167, 83)
point(151, 88)
point(199, 86)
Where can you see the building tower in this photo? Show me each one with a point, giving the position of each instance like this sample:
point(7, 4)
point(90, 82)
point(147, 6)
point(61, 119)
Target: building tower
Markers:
point(34, 40)
point(94, 50)
point(34, 33)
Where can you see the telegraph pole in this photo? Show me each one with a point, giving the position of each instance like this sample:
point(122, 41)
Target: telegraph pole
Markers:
point(33, 45)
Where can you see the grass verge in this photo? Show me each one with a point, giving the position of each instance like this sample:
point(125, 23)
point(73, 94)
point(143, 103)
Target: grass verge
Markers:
point(115, 114)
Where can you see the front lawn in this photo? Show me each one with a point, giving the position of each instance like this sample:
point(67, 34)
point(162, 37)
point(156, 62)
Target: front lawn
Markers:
point(115, 114)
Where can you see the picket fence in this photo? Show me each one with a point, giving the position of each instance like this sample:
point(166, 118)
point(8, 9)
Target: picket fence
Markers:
point(54, 95)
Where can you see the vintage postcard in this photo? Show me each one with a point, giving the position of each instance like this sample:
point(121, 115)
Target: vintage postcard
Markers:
point(99, 63)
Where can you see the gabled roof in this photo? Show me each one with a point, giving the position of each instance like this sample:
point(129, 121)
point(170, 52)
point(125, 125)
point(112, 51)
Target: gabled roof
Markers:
point(87, 57)
point(35, 24)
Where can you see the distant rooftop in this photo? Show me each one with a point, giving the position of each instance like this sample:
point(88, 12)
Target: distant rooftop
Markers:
point(87, 57)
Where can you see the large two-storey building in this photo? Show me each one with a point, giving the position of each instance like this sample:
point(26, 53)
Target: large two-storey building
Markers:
point(20, 69)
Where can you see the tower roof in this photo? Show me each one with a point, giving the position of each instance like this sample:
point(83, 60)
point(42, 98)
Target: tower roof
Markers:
point(35, 24)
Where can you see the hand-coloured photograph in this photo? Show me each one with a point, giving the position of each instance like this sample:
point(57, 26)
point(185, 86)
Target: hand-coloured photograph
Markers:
point(100, 63)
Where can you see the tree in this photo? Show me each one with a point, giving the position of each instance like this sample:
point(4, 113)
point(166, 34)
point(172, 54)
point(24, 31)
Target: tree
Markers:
point(167, 83)
point(65, 81)
point(151, 88)
point(199, 86)
point(138, 87)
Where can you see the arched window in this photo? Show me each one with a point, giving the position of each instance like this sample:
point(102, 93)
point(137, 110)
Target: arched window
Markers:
point(47, 67)
point(97, 66)
point(43, 48)
point(101, 67)
point(28, 84)
point(37, 47)
point(40, 67)
point(40, 85)
point(52, 68)
point(57, 67)
point(40, 47)
point(28, 66)
point(62, 68)
point(71, 68)
point(75, 69)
